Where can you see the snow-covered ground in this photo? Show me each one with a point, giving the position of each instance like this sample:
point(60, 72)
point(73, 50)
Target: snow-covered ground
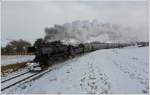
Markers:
point(103, 71)
point(15, 59)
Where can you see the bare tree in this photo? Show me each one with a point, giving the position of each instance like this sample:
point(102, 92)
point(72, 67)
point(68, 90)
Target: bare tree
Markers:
point(16, 46)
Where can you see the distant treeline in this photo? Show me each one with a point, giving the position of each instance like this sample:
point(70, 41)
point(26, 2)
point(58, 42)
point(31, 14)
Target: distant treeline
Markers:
point(16, 47)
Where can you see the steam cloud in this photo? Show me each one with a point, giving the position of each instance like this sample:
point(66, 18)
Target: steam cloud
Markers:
point(86, 31)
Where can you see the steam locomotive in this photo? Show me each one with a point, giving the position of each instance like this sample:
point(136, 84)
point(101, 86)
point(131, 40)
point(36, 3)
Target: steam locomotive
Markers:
point(47, 53)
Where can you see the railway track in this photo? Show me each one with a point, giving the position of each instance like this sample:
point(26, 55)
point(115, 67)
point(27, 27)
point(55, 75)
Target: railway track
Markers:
point(22, 78)
point(14, 77)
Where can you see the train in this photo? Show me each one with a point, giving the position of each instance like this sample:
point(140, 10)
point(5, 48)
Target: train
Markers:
point(47, 53)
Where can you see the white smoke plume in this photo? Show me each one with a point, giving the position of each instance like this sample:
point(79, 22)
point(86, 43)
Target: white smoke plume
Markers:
point(86, 31)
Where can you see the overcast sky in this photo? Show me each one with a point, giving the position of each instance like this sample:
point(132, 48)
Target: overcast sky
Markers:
point(27, 19)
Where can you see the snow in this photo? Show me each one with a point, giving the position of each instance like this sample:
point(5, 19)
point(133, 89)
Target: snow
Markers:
point(5, 60)
point(114, 71)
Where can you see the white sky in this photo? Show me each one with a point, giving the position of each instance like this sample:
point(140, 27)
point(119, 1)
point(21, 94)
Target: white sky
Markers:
point(27, 19)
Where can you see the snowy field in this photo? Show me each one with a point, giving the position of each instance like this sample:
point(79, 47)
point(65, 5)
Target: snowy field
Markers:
point(5, 60)
point(104, 71)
